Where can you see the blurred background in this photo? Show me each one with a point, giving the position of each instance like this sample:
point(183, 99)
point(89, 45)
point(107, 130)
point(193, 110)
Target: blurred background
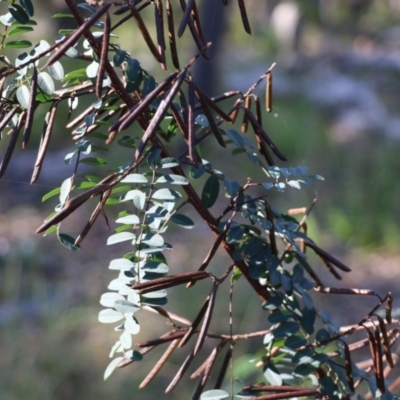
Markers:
point(336, 86)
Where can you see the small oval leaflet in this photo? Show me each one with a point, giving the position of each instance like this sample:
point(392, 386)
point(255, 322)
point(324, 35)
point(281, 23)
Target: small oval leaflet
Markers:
point(173, 179)
point(138, 197)
point(135, 178)
point(68, 241)
point(183, 221)
point(121, 264)
point(125, 307)
point(108, 299)
point(128, 219)
point(46, 83)
point(109, 316)
point(23, 96)
point(210, 191)
point(154, 266)
point(56, 70)
point(272, 375)
point(126, 340)
point(169, 162)
point(131, 325)
point(167, 195)
point(214, 394)
point(155, 295)
point(111, 367)
point(120, 237)
point(153, 240)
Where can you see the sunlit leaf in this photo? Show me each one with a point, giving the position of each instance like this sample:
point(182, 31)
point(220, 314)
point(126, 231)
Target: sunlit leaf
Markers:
point(111, 367)
point(120, 237)
point(166, 195)
point(214, 394)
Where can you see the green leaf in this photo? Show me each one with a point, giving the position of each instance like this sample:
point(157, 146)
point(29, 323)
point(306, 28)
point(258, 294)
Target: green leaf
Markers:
point(50, 194)
point(126, 307)
point(46, 83)
point(63, 15)
point(120, 237)
point(214, 394)
point(68, 241)
point(19, 13)
point(18, 44)
point(166, 195)
point(183, 221)
point(173, 179)
point(19, 29)
point(77, 74)
point(28, 6)
point(111, 367)
point(97, 161)
point(210, 191)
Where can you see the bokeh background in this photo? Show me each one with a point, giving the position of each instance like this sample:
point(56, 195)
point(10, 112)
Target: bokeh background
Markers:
point(336, 88)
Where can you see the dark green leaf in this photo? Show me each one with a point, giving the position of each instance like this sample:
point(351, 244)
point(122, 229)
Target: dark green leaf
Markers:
point(28, 6)
point(322, 335)
point(19, 13)
point(19, 29)
point(308, 319)
point(68, 241)
point(272, 303)
point(183, 221)
point(210, 191)
point(119, 57)
point(132, 69)
point(97, 161)
point(18, 44)
point(286, 329)
point(295, 341)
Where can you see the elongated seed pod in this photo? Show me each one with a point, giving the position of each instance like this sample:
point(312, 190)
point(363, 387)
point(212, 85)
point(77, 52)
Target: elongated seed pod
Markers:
point(268, 92)
point(103, 56)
